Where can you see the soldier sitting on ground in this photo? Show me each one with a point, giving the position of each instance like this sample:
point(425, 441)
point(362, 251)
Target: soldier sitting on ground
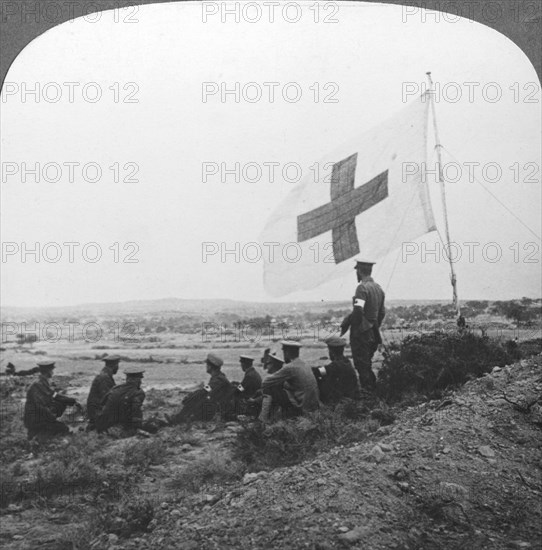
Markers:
point(122, 405)
point(44, 405)
point(101, 384)
point(215, 397)
point(11, 371)
point(338, 379)
point(293, 387)
point(248, 388)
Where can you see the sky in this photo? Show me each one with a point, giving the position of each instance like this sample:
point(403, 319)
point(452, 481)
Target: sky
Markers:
point(152, 133)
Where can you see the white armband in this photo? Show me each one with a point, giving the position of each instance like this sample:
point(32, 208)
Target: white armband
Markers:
point(322, 370)
point(359, 302)
point(207, 387)
point(240, 387)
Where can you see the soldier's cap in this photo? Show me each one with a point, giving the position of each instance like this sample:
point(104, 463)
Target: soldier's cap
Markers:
point(215, 360)
point(361, 263)
point(246, 358)
point(111, 358)
point(134, 371)
point(290, 344)
point(273, 356)
point(44, 365)
point(335, 342)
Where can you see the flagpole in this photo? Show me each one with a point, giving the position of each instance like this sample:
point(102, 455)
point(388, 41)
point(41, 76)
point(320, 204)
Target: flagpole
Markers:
point(438, 148)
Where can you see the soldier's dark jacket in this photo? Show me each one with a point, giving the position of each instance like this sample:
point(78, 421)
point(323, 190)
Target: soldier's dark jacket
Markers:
point(340, 381)
point(41, 407)
point(299, 383)
point(370, 317)
point(252, 382)
point(122, 406)
point(98, 390)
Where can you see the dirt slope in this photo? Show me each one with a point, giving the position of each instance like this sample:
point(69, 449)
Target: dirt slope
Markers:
point(464, 472)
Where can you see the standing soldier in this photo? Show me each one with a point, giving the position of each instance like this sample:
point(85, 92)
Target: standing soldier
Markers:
point(44, 405)
point(101, 384)
point(364, 323)
point(123, 403)
point(338, 379)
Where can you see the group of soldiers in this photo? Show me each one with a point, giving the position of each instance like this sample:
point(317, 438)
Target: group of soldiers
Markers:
point(289, 389)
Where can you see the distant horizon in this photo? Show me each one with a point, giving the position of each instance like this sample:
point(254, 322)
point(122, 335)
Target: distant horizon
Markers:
point(252, 302)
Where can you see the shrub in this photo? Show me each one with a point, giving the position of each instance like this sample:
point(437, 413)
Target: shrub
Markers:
point(426, 365)
point(215, 468)
point(144, 453)
point(289, 442)
point(129, 516)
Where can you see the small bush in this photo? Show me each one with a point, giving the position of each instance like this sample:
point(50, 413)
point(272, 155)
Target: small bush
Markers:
point(289, 442)
point(125, 518)
point(216, 468)
point(144, 453)
point(426, 365)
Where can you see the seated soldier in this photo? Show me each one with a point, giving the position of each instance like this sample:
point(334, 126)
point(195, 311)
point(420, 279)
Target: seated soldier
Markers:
point(293, 387)
point(215, 397)
point(338, 379)
point(248, 388)
point(44, 405)
point(122, 404)
point(271, 400)
point(10, 370)
point(101, 384)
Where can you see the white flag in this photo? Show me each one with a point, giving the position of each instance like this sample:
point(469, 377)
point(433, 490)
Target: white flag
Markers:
point(367, 199)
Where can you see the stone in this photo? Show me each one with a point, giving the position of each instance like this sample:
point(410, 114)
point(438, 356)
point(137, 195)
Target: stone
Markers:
point(486, 451)
point(377, 454)
point(249, 478)
point(452, 491)
point(385, 447)
point(355, 535)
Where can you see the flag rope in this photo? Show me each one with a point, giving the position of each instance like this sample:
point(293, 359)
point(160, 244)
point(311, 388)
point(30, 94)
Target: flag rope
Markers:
point(497, 199)
point(438, 148)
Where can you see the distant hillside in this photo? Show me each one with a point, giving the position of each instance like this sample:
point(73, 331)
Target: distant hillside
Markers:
point(190, 306)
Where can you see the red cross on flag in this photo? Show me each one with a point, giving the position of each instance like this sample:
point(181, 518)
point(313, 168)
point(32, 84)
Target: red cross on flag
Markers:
point(368, 198)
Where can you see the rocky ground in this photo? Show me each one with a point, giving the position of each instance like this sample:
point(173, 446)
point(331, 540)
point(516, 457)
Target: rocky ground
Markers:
point(462, 472)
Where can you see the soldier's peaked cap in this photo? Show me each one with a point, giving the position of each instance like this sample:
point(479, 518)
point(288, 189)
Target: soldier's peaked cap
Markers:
point(111, 358)
point(246, 358)
point(290, 344)
point(276, 358)
point(46, 364)
point(134, 371)
point(214, 360)
point(362, 262)
point(335, 342)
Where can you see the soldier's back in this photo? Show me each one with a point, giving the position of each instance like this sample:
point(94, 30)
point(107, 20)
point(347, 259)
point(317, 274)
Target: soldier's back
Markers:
point(119, 406)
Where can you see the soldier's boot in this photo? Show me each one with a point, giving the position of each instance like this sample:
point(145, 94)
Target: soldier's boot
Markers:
point(367, 378)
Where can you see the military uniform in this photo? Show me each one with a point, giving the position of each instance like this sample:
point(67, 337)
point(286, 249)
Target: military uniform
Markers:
point(102, 384)
point(203, 404)
point(43, 407)
point(299, 385)
point(122, 407)
point(340, 380)
point(364, 323)
point(252, 382)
